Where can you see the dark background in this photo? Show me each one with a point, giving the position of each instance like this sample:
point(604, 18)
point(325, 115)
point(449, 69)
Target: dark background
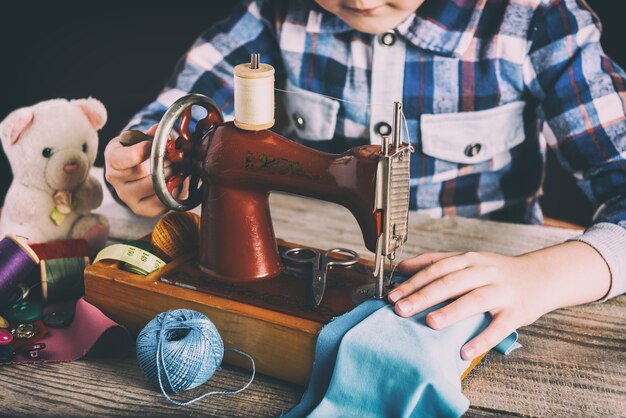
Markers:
point(122, 53)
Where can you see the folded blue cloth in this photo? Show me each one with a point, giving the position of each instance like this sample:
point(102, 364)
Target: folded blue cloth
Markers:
point(372, 363)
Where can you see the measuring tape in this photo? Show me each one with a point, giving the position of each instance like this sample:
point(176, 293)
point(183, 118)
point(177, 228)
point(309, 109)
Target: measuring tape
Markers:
point(137, 260)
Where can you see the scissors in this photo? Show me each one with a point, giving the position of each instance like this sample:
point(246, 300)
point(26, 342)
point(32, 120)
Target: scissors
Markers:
point(321, 262)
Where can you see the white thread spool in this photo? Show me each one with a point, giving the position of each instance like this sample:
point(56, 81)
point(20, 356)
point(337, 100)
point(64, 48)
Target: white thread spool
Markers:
point(254, 96)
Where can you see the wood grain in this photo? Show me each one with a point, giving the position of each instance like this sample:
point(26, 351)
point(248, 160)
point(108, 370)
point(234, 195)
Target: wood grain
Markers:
point(573, 362)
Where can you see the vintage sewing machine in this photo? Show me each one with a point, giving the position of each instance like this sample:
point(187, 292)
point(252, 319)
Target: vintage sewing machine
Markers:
point(260, 303)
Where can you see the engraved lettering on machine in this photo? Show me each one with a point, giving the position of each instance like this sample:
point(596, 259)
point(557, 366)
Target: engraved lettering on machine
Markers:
point(276, 165)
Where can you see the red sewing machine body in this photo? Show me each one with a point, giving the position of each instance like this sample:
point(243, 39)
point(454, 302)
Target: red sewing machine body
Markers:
point(240, 168)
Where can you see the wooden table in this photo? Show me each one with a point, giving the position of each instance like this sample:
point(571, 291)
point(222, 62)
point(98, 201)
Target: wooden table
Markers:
point(573, 362)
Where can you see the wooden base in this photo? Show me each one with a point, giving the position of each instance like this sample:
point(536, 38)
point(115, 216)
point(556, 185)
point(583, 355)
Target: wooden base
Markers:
point(273, 321)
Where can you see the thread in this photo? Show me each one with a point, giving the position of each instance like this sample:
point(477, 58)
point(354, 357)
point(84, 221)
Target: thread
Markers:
point(175, 235)
point(366, 104)
point(17, 262)
point(63, 278)
point(254, 97)
point(70, 248)
point(180, 350)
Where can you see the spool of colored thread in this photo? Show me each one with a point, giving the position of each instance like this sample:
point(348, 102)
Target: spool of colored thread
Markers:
point(175, 235)
point(63, 278)
point(71, 248)
point(17, 262)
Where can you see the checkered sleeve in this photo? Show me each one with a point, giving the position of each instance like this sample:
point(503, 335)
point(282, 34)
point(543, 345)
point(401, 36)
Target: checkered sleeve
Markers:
point(207, 67)
point(582, 96)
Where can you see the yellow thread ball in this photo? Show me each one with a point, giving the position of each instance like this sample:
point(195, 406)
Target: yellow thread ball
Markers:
point(176, 234)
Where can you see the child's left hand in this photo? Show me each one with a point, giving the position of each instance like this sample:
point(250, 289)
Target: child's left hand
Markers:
point(516, 291)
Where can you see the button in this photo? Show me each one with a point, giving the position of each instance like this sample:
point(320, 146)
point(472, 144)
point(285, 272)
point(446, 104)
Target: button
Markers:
point(6, 353)
point(5, 337)
point(473, 149)
point(298, 119)
point(23, 311)
point(383, 128)
point(387, 38)
point(59, 319)
point(24, 331)
point(4, 323)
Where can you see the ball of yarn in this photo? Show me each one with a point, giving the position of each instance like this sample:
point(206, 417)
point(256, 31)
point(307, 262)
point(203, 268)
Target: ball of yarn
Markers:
point(176, 234)
point(183, 346)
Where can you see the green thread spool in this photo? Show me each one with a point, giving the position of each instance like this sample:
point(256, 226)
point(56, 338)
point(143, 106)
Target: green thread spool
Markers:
point(63, 278)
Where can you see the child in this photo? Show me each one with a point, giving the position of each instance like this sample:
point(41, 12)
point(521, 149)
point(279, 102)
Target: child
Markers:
point(477, 78)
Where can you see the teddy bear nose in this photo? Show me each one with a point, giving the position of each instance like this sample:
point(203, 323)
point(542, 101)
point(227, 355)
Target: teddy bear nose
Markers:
point(70, 168)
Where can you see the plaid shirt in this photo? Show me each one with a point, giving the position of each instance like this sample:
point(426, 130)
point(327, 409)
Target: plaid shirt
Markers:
point(478, 80)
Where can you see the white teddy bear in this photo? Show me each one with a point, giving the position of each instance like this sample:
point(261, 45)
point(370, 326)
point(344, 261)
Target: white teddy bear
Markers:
point(51, 146)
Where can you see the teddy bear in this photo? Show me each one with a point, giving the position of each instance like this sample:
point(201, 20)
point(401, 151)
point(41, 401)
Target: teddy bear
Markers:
point(51, 147)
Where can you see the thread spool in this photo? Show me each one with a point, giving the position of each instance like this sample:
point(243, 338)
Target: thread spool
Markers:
point(70, 248)
point(63, 278)
point(175, 235)
point(183, 347)
point(254, 95)
point(17, 262)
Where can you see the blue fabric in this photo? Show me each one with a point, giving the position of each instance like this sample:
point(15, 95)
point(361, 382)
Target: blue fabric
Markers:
point(371, 363)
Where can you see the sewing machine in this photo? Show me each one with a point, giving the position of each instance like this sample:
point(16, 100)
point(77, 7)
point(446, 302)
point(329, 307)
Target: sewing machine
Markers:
point(260, 303)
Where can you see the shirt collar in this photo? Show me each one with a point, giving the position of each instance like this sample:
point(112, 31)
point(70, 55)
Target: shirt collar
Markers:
point(445, 27)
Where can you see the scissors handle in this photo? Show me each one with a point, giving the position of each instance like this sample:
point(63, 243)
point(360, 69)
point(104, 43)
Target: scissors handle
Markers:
point(302, 255)
point(351, 257)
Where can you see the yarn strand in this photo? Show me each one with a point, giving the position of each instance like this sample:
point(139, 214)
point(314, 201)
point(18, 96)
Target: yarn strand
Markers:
point(175, 402)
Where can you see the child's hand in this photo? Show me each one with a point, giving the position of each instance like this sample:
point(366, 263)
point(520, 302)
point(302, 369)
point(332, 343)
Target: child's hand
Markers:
point(128, 171)
point(516, 291)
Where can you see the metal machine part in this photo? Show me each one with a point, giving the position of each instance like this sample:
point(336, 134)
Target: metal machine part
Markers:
point(162, 186)
point(392, 198)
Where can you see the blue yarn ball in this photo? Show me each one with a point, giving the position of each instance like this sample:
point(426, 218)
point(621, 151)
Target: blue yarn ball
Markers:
point(191, 350)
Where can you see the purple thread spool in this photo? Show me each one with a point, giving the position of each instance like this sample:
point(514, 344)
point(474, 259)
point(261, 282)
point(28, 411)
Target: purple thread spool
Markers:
point(17, 262)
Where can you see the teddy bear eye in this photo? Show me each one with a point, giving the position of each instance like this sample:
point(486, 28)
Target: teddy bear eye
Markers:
point(85, 147)
point(47, 152)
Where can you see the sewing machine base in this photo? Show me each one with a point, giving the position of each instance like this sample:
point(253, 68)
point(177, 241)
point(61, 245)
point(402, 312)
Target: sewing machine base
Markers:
point(274, 321)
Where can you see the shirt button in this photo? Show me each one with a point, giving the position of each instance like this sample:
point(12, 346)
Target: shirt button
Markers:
point(387, 38)
point(299, 120)
point(383, 128)
point(472, 149)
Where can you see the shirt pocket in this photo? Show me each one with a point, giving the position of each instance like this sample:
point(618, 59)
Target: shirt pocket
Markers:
point(473, 137)
point(310, 116)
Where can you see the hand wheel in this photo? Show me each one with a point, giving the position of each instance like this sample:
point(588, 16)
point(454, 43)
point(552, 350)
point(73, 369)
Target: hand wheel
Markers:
point(180, 150)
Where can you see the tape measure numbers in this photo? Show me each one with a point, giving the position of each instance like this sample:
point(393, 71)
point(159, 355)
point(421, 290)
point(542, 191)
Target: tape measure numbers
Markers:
point(138, 261)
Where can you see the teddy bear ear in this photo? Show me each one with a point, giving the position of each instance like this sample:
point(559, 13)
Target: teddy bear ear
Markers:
point(12, 127)
point(94, 110)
